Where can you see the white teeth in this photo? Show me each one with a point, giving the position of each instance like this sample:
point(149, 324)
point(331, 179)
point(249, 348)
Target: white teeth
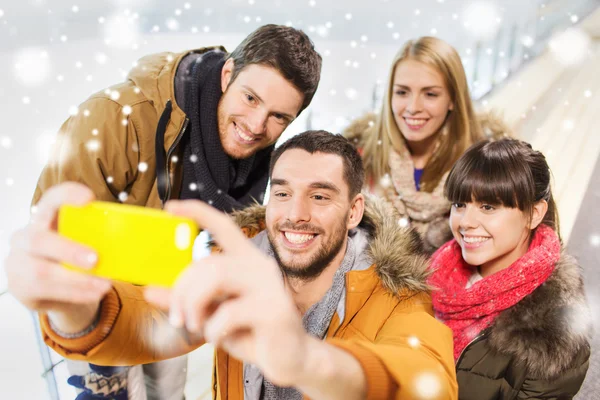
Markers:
point(297, 238)
point(475, 239)
point(243, 136)
point(415, 122)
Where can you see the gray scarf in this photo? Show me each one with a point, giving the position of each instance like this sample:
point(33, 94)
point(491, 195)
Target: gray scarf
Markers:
point(316, 322)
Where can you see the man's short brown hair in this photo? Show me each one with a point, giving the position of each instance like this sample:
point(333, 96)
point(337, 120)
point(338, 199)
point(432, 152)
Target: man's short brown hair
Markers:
point(290, 51)
point(326, 142)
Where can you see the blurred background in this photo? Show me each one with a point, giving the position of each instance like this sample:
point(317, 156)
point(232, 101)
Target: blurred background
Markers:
point(536, 62)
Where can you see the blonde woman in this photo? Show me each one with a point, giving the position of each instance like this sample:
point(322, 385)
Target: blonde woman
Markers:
point(426, 123)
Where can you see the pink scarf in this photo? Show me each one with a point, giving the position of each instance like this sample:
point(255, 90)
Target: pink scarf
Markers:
point(469, 311)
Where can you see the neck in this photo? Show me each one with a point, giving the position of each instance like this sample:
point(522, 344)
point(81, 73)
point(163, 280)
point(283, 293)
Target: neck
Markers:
point(422, 151)
point(505, 261)
point(308, 292)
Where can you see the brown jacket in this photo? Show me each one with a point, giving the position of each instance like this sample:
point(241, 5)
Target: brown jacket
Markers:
point(388, 324)
point(109, 145)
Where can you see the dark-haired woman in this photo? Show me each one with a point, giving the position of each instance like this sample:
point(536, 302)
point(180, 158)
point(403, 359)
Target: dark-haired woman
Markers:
point(513, 299)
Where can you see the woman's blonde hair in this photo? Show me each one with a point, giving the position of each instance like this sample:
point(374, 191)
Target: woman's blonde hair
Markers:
point(458, 132)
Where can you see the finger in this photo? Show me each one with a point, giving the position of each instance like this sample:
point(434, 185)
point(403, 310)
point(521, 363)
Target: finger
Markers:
point(225, 232)
point(40, 280)
point(204, 284)
point(72, 287)
point(230, 317)
point(42, 243)
point(65, 193)
point(159, 296)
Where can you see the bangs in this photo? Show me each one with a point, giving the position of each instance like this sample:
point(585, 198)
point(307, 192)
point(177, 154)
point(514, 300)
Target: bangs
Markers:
point(488, 173)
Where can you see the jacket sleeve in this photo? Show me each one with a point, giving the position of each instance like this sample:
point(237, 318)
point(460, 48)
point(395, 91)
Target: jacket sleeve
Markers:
point(97, 147)
point(564, 386)
point(130, 331)
point(411, 358)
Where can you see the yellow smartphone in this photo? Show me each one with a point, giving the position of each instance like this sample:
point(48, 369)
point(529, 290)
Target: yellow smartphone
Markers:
point(134, 244)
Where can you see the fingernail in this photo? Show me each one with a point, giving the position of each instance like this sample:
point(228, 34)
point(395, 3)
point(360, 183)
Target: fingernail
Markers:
point(175, 318)
point(88, 259)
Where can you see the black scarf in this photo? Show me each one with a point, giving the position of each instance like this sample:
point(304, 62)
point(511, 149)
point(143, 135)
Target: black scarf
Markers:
point(209, 174)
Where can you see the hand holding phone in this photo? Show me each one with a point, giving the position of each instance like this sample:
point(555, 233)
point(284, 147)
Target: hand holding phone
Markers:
point(134, 244)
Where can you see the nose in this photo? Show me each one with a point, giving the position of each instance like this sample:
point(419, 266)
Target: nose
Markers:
point(257, 121)
point(299, 210)
point(468, 218)
point(415, 105)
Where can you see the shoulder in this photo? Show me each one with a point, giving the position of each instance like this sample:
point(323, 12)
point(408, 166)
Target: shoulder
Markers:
point(549, 329)
point(358, 128)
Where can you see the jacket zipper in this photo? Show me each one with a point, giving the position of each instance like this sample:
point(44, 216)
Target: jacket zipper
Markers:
point(477, 339)
point(168, 160)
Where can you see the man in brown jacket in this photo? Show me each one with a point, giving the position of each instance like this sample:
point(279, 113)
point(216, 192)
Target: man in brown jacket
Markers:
point(328, 300)
point(199, 124)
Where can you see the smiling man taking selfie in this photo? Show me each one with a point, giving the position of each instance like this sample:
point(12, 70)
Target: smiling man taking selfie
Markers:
point(327, 300)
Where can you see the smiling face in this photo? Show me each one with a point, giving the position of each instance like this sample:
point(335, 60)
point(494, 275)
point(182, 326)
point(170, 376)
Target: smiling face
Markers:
point(493, 237)
point(420, 101)
point(255, 108)
point(309, 212)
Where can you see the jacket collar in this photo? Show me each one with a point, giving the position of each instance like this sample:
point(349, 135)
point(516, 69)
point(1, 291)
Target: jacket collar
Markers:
point(154, 75)
point(396, 252)
point(548, 329)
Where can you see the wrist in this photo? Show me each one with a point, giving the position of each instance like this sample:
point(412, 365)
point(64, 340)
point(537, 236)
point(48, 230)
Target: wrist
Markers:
point(74, 320)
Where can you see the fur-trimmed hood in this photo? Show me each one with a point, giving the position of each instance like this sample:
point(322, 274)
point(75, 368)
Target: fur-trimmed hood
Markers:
point(549, 329)
point(396, 252)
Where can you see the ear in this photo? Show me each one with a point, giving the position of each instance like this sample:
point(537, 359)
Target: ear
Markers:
point(226, 74)
point(356, 212)
point(538, 213)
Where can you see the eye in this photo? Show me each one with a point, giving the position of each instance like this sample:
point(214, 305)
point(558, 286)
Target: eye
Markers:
point(458, 205)
point(281, 194)
point(432, 94)
point(320, 197)
point(487, 207)
point(249, 98)
point(280, 118)
point(400, 92)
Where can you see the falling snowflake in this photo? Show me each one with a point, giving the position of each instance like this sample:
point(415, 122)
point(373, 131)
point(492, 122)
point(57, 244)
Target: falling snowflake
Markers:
point(123, 197)
point(193, 158)
point(403, 222)
point(172, 24)
point(568, 124)
point(385, 181)
point(595, 240)
point(109, 179)
point(9, 181)
point(92, 145)
point(73, 110)
point(427, 385)
point(32, 66)
point(174, 159)
point(193, 186)
point(143, 167)
point(587, 93)
point(481, 19)
point(6, 142)
point(101, 58)
point(414, 341)
point(570, 47)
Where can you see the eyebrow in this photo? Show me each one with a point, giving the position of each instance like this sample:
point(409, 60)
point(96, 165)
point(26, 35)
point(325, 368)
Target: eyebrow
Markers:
point(286, 115)
point(425, 88)
point(314, 185)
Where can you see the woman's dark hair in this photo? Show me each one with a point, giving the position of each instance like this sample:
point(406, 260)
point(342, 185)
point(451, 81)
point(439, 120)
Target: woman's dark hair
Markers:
point(505, 172)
